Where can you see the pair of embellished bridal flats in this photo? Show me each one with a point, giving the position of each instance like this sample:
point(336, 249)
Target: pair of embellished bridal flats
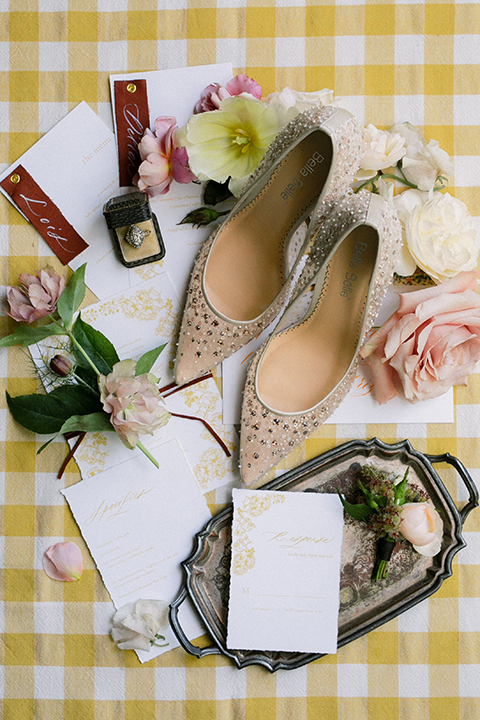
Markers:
point(245, 271)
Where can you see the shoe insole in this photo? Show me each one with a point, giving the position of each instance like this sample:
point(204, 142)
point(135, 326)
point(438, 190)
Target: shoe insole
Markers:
point(304, 364)
point(245, 270)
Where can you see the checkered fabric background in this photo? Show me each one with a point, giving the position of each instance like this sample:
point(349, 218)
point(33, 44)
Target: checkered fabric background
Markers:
point(390, 61)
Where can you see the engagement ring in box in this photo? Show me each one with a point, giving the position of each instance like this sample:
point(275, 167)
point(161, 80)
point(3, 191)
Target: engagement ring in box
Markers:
point(135, 229)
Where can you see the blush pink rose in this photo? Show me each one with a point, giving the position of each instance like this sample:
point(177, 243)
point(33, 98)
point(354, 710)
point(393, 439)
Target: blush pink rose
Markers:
point(162, 160)
point(36, 297)
point(430, 344)
point(133, 402)
point(213, 94)
point(421, 525)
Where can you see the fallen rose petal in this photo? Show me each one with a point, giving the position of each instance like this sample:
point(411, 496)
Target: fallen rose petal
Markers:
point(63, 561)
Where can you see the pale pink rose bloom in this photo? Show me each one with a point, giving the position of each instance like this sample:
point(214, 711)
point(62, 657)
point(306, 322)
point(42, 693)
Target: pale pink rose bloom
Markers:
point(36, 297)
point(63, 561)
point(430, 344)
point(162, 160)
point(133, 402)
point(214, 93)
point(421, 525)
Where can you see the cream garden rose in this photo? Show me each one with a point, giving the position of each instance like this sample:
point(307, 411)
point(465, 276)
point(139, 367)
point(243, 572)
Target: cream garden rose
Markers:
point(439, 232)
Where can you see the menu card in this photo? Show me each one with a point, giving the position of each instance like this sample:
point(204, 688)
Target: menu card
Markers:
point(139, 523)
point(285, 571)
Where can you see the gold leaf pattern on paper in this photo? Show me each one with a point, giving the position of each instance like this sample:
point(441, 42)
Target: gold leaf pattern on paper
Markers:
point(244, 557)
point(92, 453)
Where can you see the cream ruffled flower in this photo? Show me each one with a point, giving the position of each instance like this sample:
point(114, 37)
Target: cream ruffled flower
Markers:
point(289, 103)
point(230, 141)
point(423, 162)
point(382, 150)
point(137, 625)
point(439, 233)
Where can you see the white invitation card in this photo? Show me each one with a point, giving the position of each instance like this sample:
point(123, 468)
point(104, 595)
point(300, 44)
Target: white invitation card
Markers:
point(139, 523)
point(285, 571)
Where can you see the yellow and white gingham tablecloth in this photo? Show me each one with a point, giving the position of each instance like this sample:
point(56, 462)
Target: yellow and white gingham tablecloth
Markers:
point(390, 61)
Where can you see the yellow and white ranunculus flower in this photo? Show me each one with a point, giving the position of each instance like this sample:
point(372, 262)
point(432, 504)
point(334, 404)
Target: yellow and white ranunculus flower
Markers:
point(230, 141)
point(439, 233)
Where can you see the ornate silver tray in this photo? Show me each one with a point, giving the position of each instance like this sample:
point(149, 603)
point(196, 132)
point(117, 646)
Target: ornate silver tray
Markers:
point(364, 604)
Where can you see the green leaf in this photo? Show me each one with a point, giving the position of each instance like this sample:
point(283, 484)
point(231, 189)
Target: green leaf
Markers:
point(98, 348)
point(94, 422)
point(400, 489)
point(358, 512)
point(26, 335)
point(72, 297)
point(147, 361)
point(44, 414)
point(88, 376)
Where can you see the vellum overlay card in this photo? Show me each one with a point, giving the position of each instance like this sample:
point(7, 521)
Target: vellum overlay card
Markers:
point(285, 571)
point(139, 523)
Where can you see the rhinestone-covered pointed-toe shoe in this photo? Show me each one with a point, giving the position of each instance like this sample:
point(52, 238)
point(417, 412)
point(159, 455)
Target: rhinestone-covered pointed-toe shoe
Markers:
point(307, 366)
point(243, 274)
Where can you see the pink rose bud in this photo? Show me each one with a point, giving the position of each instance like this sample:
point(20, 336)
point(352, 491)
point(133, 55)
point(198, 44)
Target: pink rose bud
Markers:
point(60, 365)
point(63, 561)
point(421, 525)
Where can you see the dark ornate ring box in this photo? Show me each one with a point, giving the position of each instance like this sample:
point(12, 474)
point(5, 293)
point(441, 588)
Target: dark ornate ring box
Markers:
point(134, 228)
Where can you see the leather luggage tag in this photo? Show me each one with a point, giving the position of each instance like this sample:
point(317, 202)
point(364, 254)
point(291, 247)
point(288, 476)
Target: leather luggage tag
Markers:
point(132, 116)
point(44, 215)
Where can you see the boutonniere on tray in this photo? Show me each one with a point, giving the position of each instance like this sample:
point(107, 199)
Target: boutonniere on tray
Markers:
point(433, 341)
point(93, 390)
point(395, 510)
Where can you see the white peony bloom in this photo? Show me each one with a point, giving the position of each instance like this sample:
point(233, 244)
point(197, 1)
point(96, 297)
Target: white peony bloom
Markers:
point(423, 162)
point(439, 233)
point(137, 625)
point(382, 150)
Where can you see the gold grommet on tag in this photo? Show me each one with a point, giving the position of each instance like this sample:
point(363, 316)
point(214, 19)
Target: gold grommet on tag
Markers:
point(131, 87)
point(15, 178)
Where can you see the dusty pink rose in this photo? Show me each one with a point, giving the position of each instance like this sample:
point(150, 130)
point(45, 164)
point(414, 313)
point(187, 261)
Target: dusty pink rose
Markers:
point(133, 402)
point(421, 525)
point(36, 297)
point(162, 160)
point(63, 561)
point(430, 344)
point(213, 94)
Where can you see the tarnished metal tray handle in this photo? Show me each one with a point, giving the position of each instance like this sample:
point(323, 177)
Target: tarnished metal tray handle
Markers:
point(463, 513)
point(466, 477)
point(178, 630)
